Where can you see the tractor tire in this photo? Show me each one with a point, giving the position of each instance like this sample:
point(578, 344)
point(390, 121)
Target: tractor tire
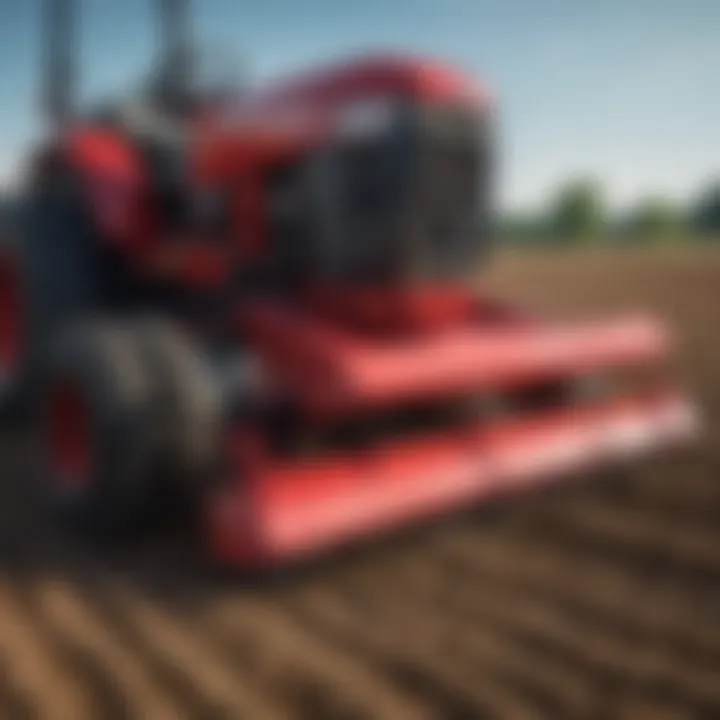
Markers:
point(92, 430)
point(187, 409)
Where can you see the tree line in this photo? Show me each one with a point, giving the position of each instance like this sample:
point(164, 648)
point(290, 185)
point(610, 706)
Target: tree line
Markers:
point(578, 212)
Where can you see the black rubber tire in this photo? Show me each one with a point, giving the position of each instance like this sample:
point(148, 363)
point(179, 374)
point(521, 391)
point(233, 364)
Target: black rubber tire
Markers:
point(187, 407)
point(101, 361)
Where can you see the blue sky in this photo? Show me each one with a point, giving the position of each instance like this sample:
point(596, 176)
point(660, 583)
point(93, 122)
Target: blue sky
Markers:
point(628, 90)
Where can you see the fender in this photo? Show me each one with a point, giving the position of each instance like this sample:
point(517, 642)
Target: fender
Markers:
point(114, 182)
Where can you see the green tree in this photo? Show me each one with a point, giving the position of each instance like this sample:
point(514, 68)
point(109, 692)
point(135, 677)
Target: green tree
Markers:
point(520, 228)
point(705, 215)
point(579, 209)
point(655, 218)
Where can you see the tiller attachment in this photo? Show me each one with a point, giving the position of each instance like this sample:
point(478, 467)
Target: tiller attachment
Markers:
point(403, 427)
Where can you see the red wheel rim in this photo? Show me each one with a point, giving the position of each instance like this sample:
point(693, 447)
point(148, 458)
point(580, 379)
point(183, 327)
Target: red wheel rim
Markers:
point(11, 315)
point(69, 442)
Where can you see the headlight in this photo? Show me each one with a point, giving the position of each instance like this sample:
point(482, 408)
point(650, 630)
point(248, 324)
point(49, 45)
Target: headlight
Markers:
point(366, 118)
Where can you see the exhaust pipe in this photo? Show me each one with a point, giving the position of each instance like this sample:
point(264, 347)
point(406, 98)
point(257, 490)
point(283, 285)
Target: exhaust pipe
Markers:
point(176, 51)
point(58, 62)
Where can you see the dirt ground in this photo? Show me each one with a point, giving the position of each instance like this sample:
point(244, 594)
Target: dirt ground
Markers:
point(597, 599)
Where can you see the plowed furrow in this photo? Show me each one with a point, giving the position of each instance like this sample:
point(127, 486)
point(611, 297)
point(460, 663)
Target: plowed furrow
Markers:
point(37, 670)
point(417, 596)
point(601, 593)
point(318, 679)
point(75, 620)
point(626, 535)
point(654, 482)
point(186, 659)
point(417, 657)
point(14, 704)
point(563, 638)
point(628, 706)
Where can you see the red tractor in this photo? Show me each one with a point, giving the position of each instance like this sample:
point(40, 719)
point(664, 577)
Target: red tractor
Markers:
point(263, 303)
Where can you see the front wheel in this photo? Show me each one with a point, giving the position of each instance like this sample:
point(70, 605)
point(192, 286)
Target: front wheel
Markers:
point(94, 439)
point(187, 408)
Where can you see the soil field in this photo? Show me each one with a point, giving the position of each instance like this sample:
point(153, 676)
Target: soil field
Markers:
point(597, 599)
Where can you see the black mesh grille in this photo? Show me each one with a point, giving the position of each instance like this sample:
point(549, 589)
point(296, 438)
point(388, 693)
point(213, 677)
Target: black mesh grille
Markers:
point(450, 195)
point(406, 203)
point(412, 202)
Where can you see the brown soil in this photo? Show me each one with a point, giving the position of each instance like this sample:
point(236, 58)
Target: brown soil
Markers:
point(597, 599)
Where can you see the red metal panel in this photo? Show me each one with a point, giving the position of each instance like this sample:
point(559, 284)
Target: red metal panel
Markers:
point(370, 76)
point(114, 180)
point(333, 370)
point(279, 511)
